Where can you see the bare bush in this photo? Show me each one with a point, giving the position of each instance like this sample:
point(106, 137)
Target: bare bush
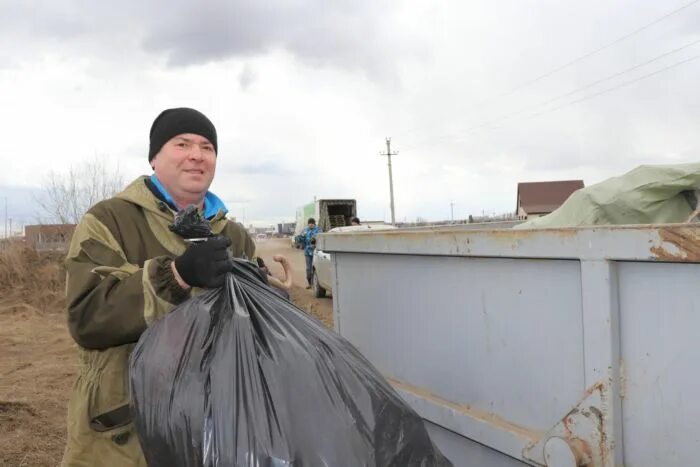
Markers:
point(66, 197)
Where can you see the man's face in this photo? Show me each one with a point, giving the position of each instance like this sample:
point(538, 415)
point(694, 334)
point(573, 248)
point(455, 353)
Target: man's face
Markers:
point(186, 165)
point(311, 225)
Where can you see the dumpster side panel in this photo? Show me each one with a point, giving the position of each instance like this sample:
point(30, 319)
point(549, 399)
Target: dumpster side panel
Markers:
point(660, 325)
point(534, 342)
point(502, 336)
point(465, 453)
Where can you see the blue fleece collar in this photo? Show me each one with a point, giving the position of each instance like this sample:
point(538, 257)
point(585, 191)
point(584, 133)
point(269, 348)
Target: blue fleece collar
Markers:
point(212, 203)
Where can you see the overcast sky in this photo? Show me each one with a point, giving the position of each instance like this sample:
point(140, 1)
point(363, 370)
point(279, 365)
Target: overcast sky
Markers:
point(303, 94)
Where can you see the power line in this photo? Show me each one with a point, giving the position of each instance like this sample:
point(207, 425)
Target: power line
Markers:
point(509, 116)
point(587, 86)
point(595, 51)
point(613, 88)
point(617, 75)
point(569, 64)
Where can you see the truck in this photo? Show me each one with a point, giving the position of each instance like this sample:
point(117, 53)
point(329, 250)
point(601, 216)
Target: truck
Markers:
point(557, 347)
point(329, 213)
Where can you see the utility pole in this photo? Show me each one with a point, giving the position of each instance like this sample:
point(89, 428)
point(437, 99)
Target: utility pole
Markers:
point(452, 212)
point(5, 216)
point(388, 153)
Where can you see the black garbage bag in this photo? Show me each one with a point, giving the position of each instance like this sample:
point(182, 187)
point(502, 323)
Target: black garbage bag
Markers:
point(238, 376)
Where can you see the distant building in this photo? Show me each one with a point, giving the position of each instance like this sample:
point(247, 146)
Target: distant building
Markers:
point(537, 199)
point(286, 228)
point(49, 237)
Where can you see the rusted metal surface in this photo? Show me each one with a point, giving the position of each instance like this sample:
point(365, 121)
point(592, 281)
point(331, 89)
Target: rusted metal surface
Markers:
point(583, 428)
point(466, 409)
point(678, 244)
point(669, 243)
point(496, 433)
point(602, 353)
point(561, 452)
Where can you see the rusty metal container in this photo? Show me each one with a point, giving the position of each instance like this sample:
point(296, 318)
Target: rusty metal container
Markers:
point(553, 347)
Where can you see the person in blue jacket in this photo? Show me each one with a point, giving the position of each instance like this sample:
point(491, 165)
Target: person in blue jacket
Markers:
point(309, 241)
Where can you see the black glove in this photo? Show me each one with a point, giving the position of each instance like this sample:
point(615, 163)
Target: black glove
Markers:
point(205, 264)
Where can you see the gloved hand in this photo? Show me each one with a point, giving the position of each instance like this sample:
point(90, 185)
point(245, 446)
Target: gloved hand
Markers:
point(205, 264)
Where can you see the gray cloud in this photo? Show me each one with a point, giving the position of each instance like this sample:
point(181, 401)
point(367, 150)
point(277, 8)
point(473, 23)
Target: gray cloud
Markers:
point(348, 35)
point(57, 20)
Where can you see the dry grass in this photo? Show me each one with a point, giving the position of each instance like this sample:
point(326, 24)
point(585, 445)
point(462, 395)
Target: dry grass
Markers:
point(37, 358)
point(37, 368)
point(31, 281)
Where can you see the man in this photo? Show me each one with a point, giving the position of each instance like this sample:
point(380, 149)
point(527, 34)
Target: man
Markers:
point(126, 269)
point(309, 238)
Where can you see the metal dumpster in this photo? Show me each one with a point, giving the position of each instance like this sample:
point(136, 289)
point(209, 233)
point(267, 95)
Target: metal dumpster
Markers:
point(556, 347)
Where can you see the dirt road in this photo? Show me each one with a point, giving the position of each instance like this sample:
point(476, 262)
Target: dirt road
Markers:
point(38, 360)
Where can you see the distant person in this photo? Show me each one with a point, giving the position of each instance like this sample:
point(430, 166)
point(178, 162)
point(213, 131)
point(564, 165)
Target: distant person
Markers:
point(309, 242)
point(355, 221)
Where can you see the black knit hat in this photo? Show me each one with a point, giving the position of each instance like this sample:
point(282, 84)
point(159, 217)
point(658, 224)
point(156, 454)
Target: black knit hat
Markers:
point(173, 122)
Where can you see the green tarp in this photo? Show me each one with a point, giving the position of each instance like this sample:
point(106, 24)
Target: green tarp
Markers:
point(649, 194)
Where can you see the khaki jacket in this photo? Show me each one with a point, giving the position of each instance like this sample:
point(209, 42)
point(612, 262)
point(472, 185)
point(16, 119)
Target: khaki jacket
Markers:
point(119, 281)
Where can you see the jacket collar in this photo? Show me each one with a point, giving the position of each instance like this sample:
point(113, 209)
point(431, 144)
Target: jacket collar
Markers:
point(212, 203)
point(137, 192)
